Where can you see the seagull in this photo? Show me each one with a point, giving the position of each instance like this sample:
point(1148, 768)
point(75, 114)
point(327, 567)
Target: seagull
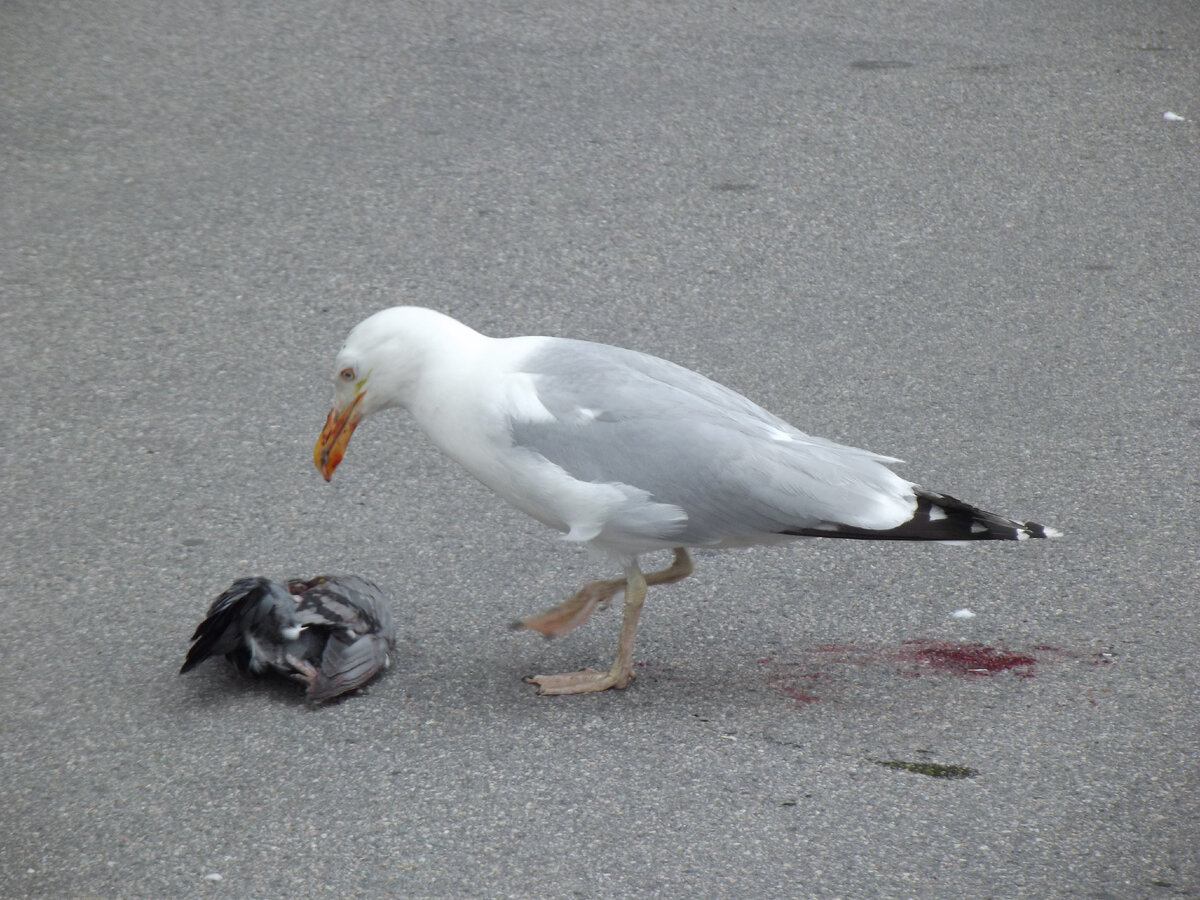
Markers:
point(331, 632)
point(627, 454)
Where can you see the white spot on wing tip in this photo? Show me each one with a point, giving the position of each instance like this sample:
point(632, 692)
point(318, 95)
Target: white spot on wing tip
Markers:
point(1022, 535)
point(1051, 532)
point(936, 514)
point(976, 528)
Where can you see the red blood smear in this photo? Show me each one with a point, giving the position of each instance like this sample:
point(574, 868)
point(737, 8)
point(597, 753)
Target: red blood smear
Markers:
point(789, 684)
point(801, 697)
point(796, 694)
point(922, 657)
point(967, 659)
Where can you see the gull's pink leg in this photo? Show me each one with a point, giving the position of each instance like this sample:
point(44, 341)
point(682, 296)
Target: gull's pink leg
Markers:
point(577, 609)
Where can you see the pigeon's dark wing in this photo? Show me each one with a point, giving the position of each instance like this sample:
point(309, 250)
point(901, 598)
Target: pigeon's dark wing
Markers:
point(250, 607)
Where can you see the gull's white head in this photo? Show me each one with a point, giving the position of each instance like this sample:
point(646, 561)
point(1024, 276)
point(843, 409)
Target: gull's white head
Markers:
point(378, 367)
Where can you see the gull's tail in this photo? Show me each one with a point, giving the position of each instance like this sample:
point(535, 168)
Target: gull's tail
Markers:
point(940, 517)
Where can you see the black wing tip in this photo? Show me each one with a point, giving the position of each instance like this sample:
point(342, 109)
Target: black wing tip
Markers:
point(939, 517)
point(938, 514)
point(1037, 530)
point(200, 651)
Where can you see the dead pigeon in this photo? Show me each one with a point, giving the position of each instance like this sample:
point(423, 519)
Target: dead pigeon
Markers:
point(332, 632)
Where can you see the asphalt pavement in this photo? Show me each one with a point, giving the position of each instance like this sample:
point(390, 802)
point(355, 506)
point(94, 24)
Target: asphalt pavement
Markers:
point(962, 233)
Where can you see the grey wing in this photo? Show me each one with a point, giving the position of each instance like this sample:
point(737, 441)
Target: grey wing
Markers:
point(376, 611)
point(346, 601)
point(737, 471)
point(360, 628)
point(349, 663)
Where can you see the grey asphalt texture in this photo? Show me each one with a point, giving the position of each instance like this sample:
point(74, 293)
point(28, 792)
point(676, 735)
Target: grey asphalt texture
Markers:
point(961, 233)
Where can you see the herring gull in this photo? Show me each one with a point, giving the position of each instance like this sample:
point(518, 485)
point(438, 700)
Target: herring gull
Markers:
point(626, 453)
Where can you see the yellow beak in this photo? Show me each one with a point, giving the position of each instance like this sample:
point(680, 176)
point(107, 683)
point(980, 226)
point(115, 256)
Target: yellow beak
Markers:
point(331, 445)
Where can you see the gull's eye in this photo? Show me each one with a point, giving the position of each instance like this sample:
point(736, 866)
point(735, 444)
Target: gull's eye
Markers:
point(347, 374)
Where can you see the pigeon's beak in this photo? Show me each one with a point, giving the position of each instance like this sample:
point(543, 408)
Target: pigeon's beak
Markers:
point(331, 445)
